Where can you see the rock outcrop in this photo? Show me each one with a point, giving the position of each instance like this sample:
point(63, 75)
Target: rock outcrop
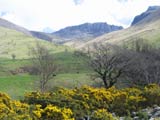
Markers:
point(149, 13)
point(85, 31)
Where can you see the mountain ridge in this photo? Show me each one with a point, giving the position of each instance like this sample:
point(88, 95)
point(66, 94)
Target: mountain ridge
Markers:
point(82, 32)
point(36, 34)
point(147, 28)
point(146, 16)
point(10, 25)
point(16, 43)
point(85, 31)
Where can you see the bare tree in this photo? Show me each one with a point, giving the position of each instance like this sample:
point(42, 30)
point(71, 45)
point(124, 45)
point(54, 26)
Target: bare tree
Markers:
point(144, 66)
point(107, 62)
point(44, 64)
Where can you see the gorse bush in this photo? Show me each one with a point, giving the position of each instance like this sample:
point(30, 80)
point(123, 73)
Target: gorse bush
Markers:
point(51, 112)
point(87, 99)
point(152, 94)
point(13, 110)
point(73, 104)
point(16, 110)
point(102, 114)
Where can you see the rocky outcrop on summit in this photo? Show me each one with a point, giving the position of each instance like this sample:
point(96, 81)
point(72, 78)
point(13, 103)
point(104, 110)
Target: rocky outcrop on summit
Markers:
point(86, 31)
point(147, 16)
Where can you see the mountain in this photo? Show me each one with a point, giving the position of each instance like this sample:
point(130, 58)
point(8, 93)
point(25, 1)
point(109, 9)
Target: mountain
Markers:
point(42, 35)
point(46, 36)
point(147, 28)
point(18, 43)
point(147, 16)
point(85, 31)
point(81, 32)
point(10, 25)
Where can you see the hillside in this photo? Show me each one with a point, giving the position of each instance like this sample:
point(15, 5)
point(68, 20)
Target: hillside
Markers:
point(85, 31)
point(40, 35)
point(10, 25)
point(147, 28)
point(149, 15)
point(13, 42)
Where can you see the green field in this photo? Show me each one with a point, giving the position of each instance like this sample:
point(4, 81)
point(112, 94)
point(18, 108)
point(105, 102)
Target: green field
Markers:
point(72, 73)
point(17, 85)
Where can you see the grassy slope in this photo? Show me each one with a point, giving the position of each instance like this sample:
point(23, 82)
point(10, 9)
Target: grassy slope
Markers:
point(13, 42)
point(150, 32)
point(17, 85)
point(73, 71)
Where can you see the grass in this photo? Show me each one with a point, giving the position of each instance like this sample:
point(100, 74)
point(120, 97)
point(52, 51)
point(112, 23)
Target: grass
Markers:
point(13, 42)
point(71, 80)
point(17, 85)
point(72, 73)
point(149, 32)
point(70, 63)
point(73, 70)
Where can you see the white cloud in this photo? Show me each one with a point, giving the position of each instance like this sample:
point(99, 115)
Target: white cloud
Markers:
point(78, 2)
point(56, 14)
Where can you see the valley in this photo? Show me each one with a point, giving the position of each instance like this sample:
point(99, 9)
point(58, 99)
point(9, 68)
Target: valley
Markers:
point(73, 71)
point(96, 71)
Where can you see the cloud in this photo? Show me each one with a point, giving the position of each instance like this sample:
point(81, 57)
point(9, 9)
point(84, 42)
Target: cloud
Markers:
point(122, 0)
point(78, 2)
point(56, 14)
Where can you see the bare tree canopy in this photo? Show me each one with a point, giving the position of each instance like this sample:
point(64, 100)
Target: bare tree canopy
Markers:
point(44, 64)
point(107, 62)
point(144, 66)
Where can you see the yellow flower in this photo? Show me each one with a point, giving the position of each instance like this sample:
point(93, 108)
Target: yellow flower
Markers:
point(37, 113)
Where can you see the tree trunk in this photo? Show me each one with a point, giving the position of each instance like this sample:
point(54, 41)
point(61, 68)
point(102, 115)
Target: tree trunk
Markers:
point(42, 86)
point(105, 82)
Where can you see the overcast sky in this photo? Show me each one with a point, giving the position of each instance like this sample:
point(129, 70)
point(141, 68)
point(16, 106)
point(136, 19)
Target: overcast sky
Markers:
point(56, 14)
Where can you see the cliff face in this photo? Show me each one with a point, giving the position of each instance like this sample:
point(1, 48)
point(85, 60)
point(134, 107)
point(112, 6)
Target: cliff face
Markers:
point(146, 15)
point(85, 31)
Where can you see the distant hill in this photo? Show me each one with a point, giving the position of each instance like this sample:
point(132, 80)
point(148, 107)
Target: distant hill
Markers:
point(18, 43)
point(46, 36)
point(147, 28)
point(42, 35)
point(152, 13)
point(10, 25)
point(85, 31)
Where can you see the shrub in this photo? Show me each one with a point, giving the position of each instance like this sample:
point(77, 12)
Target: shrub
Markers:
point(102, 114)
point(70, 104)
point(85, 100)
point(53, 112)
point(152, 94)
point(13, 110)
